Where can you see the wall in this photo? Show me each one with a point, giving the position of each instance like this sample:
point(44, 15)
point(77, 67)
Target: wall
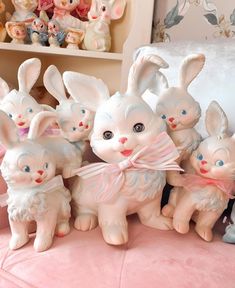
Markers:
point(193, 20)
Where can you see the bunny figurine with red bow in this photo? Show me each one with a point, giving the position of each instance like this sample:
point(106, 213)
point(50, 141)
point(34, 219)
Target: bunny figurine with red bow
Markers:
point(133, 142)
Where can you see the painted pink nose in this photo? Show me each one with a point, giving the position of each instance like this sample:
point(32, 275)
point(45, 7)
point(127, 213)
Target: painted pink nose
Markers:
point(19, 116)
point(40, 172)
point(203, 162)
point(80, 124)
point(122, 140)
point(171, 119)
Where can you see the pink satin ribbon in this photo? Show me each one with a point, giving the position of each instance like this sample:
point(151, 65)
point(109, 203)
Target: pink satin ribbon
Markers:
point(159, 155)
point(192, 181)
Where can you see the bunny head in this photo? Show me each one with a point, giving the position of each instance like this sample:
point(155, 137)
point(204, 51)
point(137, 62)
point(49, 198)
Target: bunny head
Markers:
point(215, 156)
point(175, 105)
point(106, 9)
point(25, 5)
point(26, 163)
point(73, 119)
point(123, 123)
point(68, 5)
point(20, 105)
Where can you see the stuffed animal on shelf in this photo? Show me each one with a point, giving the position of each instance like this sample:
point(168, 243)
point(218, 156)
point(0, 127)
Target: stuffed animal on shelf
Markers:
point(55, 34)
point(209, 185)
point(17, 31)
point(62, 13)
point(24, 11)
point(73, 119)
point(229, 235)
point(181, 112)
point(3, 32)
point(38, 30)
point(34, 192)
point(74, 38)
point(19, 104)
point(97, 37)
point(130, 137)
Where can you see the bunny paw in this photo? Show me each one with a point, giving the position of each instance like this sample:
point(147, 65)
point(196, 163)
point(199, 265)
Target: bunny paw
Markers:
point(42, 243)
point(85, 222)
point(62, 229)
point(18, 241)
point(204, 232)
point(181, 226)
point(115, 234)
point(159, 222)
point(168, 210)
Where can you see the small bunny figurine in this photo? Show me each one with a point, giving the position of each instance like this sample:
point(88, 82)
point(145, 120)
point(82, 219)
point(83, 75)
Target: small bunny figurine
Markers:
point(38, 30)
point(74, 120)
point(205, 192)
point(181, 112)
point(131, 138)
point(20, 105)
point(55, 34)
point(24, 10)
point(62, 14)
point(34, 192)
point(17, 31)
point(229, 236)
point(97, 37)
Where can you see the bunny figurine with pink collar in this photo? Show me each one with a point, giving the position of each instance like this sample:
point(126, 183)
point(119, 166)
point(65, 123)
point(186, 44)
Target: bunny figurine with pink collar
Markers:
point(133, 142)
point(34, 191)
point(97, 37)
point(209, 182)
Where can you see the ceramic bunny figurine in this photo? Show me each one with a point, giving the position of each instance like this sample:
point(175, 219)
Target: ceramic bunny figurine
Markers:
point(181, 112)
point(38, 30)
point(97, 37)
point(17, 31)
point(74, 120)
point(34, 192)
point(3, 32)
point(20, 105)
point(229, 236)
point(55, 34)
point(24, 10)
point(62, 13)
point(131, 138)
point(206, 191)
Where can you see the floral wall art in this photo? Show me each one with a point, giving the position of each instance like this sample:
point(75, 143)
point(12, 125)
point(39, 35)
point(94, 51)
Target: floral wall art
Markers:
point(193, 20)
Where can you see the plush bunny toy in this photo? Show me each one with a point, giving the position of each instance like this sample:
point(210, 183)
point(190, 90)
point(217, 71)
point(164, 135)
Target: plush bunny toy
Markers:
point(19, 104)
point(97, 37)
point(206, 191)
point(181, 112)
point(34, 192)
point(130, 137)
point(74, 120)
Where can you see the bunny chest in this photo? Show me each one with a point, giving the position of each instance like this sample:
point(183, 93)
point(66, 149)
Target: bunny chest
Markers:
point(209, 198)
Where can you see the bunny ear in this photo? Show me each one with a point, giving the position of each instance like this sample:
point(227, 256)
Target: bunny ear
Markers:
point(40, 123)
point(87, 90)
point(8, 131)
point(4, 89)
point(190, 68)
point(144, 73)
point(53, 82)
point(28, 74)
point(117, 8)
point(216, 121)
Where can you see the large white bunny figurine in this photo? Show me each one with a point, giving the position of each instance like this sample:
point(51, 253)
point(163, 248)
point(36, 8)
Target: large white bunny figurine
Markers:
point(97, 37)
point(206, 190)
point(181, 112)
point(24, 10)
point(19, 104)
point(229, 235)
point(34, 192)
point(131, 138)
point(74, 120)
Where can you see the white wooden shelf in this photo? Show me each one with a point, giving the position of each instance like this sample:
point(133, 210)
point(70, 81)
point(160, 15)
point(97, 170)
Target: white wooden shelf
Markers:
point(60, 51)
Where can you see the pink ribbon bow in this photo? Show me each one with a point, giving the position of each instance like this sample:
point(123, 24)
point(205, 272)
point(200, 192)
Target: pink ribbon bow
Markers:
point(191, 182)
point(159, 155)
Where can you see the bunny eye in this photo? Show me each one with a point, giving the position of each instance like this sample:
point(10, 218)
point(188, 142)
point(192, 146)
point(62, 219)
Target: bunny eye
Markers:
point(107, 135)
point(183, 112)
point(45, 166)
point(74, 128)
point(26, 168)
point(10, 115)
point(139, 127)
point(200, 157)
point(83, 111)
point(103, 8)
point(30, 110)
point(219, 163)
point(163, 116)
